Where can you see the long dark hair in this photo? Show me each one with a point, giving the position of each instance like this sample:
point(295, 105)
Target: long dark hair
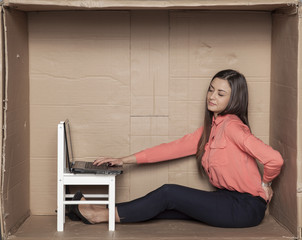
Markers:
point(238, 105)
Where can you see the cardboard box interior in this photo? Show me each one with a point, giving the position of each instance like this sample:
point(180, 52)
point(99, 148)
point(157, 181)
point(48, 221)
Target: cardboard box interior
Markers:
point(128, 80)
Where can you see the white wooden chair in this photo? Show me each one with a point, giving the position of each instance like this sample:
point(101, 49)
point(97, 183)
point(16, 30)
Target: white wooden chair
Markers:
point(66, 178)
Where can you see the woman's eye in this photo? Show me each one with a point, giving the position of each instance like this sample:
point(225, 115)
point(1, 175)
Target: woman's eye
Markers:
point(210, 90)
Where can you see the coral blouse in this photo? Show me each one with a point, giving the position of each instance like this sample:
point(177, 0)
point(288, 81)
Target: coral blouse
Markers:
point(229, 158)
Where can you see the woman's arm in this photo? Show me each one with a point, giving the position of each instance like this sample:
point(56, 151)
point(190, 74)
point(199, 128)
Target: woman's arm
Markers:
point(185, 146)
point(271, 159)
point(182, 147)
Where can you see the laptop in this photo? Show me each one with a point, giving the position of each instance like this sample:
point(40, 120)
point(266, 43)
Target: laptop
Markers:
point(84, 166)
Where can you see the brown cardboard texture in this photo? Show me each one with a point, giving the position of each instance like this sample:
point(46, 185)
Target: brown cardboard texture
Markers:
point(299, 133)
point(144, 108)
point(39, 5)
point(15, 167)
point(284, 131)
point(129, 80)
point(44, 227)
point(1, 105)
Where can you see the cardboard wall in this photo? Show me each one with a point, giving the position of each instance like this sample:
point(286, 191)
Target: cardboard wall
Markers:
point(299, 126)
point(283, 119)
point(15, 167)
point(128, 80)
point(2, 71)
point(38, 5)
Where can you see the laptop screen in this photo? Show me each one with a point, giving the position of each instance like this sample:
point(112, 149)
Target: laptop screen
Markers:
point(68, 145)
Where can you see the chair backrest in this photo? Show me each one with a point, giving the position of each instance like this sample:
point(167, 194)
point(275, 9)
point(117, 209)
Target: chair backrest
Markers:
point(61, 151)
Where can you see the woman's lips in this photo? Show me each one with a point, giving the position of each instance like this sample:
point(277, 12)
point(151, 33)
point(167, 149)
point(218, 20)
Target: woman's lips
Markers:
point(211, 104)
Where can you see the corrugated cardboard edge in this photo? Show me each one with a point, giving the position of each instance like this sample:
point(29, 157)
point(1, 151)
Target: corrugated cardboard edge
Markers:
point(3, 117)
point(15, 212)
point(299, 127)
point(1, 114)
point(38, 5)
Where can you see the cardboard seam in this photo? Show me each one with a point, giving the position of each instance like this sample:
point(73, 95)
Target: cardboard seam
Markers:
point(18, 224)
point(291, 9)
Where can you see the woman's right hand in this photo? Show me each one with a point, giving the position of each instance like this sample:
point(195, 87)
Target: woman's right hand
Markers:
point(108, 160)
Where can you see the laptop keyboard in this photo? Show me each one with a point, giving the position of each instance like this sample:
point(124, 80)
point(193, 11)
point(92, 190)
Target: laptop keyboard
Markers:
point(89, 165)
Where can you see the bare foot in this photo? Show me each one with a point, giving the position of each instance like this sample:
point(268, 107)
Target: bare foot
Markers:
point(95, 213)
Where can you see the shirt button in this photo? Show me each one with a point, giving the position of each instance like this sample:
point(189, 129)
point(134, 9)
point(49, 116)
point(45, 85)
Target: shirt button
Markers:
point(213, 137)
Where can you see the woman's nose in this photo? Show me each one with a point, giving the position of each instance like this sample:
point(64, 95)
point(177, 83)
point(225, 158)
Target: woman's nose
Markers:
point(212, 95)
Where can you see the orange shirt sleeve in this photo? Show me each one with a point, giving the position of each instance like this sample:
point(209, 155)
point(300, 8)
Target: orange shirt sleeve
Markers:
point(271, 159)
point(185, 146)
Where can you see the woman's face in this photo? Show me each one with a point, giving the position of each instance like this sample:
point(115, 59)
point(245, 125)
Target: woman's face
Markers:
point(218, 96)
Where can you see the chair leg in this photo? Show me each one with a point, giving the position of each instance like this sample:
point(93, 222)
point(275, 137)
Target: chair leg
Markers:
point(60, 208)
point(112, 204)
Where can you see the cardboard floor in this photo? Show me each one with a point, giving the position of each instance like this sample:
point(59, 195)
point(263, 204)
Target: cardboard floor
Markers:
point(44, 228)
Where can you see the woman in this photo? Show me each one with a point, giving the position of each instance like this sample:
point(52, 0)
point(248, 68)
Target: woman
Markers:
point(225, 150)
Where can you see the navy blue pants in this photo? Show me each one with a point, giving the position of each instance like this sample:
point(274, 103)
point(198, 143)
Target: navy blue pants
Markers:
point(221, 208)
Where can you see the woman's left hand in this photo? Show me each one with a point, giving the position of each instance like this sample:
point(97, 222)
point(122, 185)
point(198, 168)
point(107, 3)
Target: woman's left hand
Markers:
point(268, 192)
